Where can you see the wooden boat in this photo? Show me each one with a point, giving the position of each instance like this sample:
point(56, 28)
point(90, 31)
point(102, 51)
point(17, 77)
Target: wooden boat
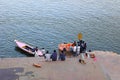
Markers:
point(65, 46)
point(27, 48)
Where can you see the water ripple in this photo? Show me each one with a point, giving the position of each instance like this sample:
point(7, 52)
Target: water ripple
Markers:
point(46, 23)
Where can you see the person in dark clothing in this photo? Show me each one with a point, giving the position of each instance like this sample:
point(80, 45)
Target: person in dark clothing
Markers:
point(35, 49)
point(54, 56)
point(74, 43)
point(85, 46)
point(62, 56)
point(80, 42)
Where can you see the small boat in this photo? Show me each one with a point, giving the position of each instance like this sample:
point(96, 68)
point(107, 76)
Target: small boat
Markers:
point(27, 48)
point(65, 46)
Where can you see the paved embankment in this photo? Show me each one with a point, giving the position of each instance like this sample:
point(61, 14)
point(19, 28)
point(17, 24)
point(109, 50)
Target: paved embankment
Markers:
point(71, 69)
point(110, 63)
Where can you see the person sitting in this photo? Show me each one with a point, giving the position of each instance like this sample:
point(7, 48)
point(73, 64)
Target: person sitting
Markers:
point(54, 56)
point(35, 49)
point(74, 50)
point(47, 56)
point(62, 56)
point(43, 51)
point(92, 55)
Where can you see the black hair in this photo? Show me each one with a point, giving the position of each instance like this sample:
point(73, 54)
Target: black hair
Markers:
point(54, 50)
point(89, 50)
point(47, 51)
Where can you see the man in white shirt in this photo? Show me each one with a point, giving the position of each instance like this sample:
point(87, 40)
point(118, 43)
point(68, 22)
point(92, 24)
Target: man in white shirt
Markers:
point(78, 50)
point(43, 51)
point(74, 50)
point(47, 56)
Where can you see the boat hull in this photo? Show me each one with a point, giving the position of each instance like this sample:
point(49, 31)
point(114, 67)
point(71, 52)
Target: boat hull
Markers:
point(23, 46)
point(66, 46)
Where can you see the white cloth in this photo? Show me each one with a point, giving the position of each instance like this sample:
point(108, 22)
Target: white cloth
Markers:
point(74, 49)
point(78, 49)
point(47, 57)
point(82, 56)
point(36, 54)
point(43, 51)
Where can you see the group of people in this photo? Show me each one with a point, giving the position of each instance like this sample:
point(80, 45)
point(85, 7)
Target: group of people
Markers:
point(79, 47)
point(54, 56)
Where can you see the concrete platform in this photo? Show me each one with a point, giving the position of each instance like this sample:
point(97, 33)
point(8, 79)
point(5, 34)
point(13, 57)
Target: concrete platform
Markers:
point(110, 63)
point(71, 69)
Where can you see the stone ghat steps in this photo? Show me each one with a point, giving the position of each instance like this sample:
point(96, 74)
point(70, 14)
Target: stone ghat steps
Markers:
point(71, 69)
point(110, 62)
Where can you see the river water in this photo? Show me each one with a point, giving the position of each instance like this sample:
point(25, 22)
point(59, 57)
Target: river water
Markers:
point(46, 23)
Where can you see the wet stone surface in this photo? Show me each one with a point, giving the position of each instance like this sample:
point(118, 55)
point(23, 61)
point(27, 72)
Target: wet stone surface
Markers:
point(10, 73)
